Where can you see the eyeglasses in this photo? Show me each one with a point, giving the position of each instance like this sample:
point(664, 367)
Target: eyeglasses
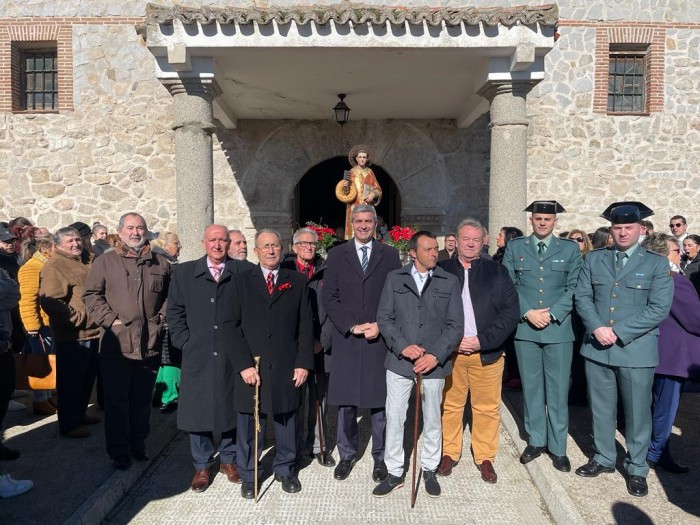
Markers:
point(676, 250)
point(675, 225)
point(268, 247)
point(306, 244)
point(577, 239)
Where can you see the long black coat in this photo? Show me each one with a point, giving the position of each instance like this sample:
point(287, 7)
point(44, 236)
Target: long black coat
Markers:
point(204, 319)
point(357, 375)
point(279, 329)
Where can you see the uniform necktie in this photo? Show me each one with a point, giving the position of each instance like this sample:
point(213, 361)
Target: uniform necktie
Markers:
point(270, 283)
point(216, 273)
point(620, 261)
point(365, 260)
point(541, 248)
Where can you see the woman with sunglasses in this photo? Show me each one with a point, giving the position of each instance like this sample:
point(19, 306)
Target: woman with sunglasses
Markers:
point(584, 243)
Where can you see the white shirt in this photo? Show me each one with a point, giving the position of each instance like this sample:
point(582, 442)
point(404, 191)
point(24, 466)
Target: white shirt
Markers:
point(274, 273)
point(359, 245)
point(420, 278)
point(469, 320)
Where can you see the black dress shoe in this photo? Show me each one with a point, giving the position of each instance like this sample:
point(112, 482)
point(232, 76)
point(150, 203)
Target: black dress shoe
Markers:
point(669, 466)
point(121, 462)
point(592, 469)
point(140, 455)
point(561, 463)
point(248, 490)
point(379, 472)
point(637, 486)
point(531, 453)
point(7, 453)
point(290, 484)
point(324, 460)
point(167, 408)
point(342, 471)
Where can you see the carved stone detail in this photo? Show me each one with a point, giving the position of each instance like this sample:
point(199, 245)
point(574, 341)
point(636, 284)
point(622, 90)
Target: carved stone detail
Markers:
point(545, 15)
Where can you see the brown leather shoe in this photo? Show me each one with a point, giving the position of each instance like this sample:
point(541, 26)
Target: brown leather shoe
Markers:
point(488, 474)
point(200, 481)
point(43, 408)
point(231, 472)
point(446, 465)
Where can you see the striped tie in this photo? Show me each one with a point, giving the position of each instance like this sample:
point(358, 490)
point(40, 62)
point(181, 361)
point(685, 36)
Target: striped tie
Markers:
point(270, 283)
point(365, 260)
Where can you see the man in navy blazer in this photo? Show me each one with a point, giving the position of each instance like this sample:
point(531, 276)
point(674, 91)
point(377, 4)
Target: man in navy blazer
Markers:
point(355, 276)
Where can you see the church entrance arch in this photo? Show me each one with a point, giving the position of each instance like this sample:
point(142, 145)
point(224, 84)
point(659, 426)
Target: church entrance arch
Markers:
point(314, 195)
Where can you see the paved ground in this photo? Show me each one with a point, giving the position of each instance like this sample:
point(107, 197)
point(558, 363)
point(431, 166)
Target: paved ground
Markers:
point(75, 483)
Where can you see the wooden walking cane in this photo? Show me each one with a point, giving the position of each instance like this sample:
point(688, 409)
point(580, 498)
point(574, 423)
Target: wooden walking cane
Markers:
point(319, 420)
point(256, 416)
point(415, 438)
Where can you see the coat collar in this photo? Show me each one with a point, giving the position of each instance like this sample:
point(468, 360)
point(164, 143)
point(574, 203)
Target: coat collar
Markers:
point(555, 246)
point(375, 257)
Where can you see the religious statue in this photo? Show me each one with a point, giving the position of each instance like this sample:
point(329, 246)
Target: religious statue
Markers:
point(359, 185)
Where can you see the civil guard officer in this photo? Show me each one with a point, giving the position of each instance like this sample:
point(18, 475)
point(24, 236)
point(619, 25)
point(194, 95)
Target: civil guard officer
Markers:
point(623, 293)
point(545, 269)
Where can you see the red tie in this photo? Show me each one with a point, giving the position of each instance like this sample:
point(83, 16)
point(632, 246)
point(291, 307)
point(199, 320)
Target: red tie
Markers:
point(270, 283)
point(309, 271)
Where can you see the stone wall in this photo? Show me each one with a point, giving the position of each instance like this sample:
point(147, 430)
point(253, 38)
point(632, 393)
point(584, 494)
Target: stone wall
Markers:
point(587, 160)
point(640, 10)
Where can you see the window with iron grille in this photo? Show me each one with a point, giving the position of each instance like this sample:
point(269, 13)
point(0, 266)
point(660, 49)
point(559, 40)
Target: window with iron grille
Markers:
point(627, 79)
point(39, 80)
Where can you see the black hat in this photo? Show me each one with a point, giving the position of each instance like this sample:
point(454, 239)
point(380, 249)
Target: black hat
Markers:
point(83, 229)
point(626, 212)
point(6, 235)
point(549, 207)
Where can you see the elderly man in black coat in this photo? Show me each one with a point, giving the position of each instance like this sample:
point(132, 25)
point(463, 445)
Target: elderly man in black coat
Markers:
point(353, 285)
point(204, 319)
point(278, 327)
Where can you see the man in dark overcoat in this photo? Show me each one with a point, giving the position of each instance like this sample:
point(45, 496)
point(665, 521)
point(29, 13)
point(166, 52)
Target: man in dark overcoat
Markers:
point(204, 320)
point(278, 328)
point(353, 284)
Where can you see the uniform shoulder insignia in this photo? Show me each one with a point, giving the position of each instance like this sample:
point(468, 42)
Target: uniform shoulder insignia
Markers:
point(567, 240)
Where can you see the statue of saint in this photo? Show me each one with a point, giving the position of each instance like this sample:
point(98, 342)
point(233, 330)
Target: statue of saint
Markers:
point(359, 185)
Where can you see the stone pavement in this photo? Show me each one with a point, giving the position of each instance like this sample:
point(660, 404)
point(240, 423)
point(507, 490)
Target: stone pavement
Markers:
point(75, 483)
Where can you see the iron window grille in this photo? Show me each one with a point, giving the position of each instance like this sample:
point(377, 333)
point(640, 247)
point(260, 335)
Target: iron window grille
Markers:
point(39, 80)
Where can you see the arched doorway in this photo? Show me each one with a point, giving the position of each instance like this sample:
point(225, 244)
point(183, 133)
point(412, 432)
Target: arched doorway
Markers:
point(314, 196)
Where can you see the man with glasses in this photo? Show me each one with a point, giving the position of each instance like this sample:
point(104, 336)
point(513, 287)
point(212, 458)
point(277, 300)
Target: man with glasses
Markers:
point(277, 323)
point(679, 227)
point(545, 268)
point(307, 262)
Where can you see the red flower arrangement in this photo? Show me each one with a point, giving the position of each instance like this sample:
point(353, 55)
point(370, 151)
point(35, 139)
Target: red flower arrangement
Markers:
point(284, 286)
point(400, 235)
point(326, 235)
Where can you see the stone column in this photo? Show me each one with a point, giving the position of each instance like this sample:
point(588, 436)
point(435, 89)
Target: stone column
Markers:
point(193, 124)
point(508, 176)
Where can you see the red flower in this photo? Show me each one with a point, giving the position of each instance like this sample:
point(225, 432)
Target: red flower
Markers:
point(284, 286)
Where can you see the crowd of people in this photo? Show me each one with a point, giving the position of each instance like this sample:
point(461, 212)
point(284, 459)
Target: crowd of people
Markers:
point(228, 344)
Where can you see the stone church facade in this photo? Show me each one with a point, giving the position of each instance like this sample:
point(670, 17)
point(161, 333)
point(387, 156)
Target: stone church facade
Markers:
point(149, 118)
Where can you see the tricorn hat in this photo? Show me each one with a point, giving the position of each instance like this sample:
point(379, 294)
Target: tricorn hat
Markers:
point(626, 212)
point(549, 207)
point(83, 229)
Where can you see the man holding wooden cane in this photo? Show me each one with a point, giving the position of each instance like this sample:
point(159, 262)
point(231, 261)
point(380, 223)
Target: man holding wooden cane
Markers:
point(421, 318)
point(278, 327)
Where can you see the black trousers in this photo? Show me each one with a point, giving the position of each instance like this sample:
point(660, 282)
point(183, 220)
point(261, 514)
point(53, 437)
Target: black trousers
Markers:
point(128, 388)
point(202, 448)
point(7, 383)
point(76, 368)
point(286, 428)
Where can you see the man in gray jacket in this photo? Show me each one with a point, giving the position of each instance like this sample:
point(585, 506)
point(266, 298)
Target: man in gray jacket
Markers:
point(421, 318)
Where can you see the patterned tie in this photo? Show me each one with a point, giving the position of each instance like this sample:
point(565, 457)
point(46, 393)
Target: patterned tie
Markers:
point(216, 273)
point(365, 260)
point(270, 283)
point(541, 248)
point(620, 261)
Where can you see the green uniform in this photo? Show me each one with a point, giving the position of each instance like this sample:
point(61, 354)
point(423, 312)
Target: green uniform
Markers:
point(545, 280)
point(632, 300)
